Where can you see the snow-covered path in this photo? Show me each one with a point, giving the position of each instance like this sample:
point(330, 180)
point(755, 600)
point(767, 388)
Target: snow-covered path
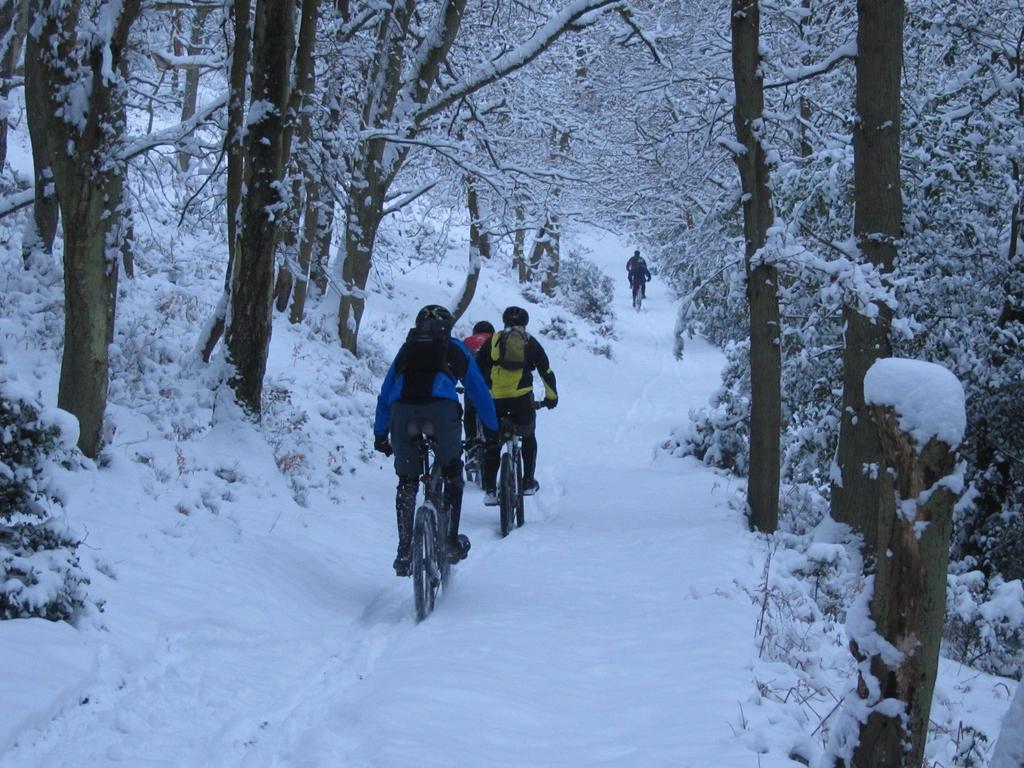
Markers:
point(608, 630)
point(612, 630)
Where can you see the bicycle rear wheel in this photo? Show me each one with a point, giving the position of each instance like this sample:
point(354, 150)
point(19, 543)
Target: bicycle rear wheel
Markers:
point(426, 578)
point(506, 493)
point(520, 499)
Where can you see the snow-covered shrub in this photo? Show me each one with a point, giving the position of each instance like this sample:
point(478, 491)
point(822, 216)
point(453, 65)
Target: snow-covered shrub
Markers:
point(985, 622)
point(718, 433)
point(586, 291)
point(39, 571)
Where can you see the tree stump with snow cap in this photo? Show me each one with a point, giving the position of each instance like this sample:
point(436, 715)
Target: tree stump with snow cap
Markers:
point(919, 414)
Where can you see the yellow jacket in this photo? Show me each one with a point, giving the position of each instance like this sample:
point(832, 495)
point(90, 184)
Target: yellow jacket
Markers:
point(505, 383)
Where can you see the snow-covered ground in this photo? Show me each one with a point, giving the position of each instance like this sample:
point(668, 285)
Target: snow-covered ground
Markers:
point(241, 628)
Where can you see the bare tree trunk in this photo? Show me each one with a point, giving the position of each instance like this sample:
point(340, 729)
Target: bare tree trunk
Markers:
point(762, 278)
point(518, 245)
point(878, 224)
point(195, 47)
point(310, 234)
point(552, 256)
point(41, 230)
point(248, 334)
point(479, 249)
point(90, 187)
point(8, 18)
point(909, 598)
point(298, 126)
point(805, 104)
point(538, 252)
point(322, 245)
point(362, 221)
point(236, 160)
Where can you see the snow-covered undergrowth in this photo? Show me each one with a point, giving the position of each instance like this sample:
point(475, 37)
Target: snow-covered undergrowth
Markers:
point(250, 614)
point(812, 573)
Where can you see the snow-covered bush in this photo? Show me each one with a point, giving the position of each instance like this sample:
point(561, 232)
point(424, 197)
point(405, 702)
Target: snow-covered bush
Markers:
point(586, 291)
point(717, 434)
point(39, 571)
point(985, 622)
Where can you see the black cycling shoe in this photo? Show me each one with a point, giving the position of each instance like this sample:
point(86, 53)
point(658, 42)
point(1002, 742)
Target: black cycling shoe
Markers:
point(403, 560)
point(458, 548)
point(530, 486)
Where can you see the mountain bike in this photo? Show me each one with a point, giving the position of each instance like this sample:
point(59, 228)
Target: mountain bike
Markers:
point(511, 502)
point(638, 293)
point(431, 567)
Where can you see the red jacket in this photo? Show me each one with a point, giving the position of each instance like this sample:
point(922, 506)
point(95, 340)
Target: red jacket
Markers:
point(476, 341)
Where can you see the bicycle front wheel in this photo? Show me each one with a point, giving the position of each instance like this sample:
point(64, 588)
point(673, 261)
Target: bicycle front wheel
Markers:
point(506, 493)
point(426, 579)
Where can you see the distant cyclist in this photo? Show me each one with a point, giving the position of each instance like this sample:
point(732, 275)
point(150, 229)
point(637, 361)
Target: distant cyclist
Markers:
point(637, 272)
point(421, 384)
point(507, 362)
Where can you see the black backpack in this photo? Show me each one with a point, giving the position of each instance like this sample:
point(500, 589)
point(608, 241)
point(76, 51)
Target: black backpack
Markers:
point(426, 353)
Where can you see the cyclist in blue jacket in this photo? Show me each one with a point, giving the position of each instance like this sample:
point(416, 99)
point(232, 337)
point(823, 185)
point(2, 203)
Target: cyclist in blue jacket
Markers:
point(421, 384)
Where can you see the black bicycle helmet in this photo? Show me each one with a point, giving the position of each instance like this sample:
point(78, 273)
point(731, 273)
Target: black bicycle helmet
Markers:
point(435, 313)
point(515, 316)
point(483, 327)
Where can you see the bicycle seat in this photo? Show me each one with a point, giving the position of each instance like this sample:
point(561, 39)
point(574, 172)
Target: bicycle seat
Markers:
point(417, 428)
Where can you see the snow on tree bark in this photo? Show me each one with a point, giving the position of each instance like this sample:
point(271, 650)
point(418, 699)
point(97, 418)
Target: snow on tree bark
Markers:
point(252, 279)
point(762, 276)
point(878, 226)
point(82, 92)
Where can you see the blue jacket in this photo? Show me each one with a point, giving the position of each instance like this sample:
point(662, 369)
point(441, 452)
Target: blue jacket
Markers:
point(443, 388)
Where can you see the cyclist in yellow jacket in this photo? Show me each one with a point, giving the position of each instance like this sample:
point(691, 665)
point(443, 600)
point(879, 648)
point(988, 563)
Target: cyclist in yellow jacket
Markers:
point(507, 362)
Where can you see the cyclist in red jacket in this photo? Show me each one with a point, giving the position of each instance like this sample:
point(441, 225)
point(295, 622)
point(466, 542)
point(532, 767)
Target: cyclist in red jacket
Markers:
point(482, 333)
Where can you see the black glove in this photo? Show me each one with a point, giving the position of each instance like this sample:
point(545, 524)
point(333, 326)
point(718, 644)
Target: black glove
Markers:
point(382, 444)
point(550, 402)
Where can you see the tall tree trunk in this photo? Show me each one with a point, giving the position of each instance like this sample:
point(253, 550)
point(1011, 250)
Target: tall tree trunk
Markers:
point(89, 186)
point(298, 131)
point(479, 249)
point(240, 11)
point(539, 251)
point(877, 222)
point(552, 256)
point(322, 246)
point(8, 19)
point(310, 233)
point(41, 229)
point(762, 278)
point(362, 220)
point(195, 47)
point(519, 245)
point(805, 103)
point(248, 334)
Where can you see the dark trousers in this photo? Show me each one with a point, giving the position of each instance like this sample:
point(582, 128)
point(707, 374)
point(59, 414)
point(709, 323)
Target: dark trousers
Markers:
point(444, 414)
point(520, 411)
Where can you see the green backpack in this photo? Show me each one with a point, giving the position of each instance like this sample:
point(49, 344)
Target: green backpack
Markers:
point(512, 344)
